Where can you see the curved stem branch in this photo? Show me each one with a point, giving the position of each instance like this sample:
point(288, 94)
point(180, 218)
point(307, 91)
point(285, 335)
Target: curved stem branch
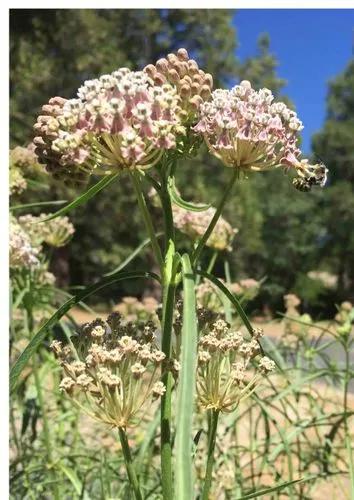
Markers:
point(147, 219)
point(214, 220)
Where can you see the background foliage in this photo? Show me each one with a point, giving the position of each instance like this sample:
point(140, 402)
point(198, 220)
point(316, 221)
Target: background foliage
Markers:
point(283, 233)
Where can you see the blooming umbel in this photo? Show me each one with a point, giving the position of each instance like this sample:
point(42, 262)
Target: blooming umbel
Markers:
point(193, 85)
point(23, 254)
point(117, 372)
point(246, 130)
point(194, 225)
point(55, 232)
point(20, 160)
point(225, 374)
point(121, 120)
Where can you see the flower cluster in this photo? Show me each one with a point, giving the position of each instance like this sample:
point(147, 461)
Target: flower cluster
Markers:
point(55, 232)
point(248, 288)
point(345, 318)
point(22, 253)
point(117, 372)
point(193, 85)
point(225, 374)
point(296, 325)
point(133, 309)
point(194, 225)
point(246, 130)
point(20, 160)
point(209, 296)
point(120, 120)
point(24, 157)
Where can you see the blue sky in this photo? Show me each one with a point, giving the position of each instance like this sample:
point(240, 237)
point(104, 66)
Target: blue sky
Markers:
point(312, 47)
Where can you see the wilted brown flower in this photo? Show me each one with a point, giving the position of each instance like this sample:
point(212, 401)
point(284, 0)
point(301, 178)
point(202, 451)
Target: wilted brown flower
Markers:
point(117, 372)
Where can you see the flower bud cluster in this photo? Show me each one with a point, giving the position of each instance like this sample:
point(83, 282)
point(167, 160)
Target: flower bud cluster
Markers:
point(20, 160)
point(246, 130)
point(120, 120)
point(209, 296)
point(248, 288)
point(117, 372)
point(24, 157)
point(22, 253)
point(133, 309)
point(55, 232)
point(345, 318)
point(225, 374)
point(193, 85)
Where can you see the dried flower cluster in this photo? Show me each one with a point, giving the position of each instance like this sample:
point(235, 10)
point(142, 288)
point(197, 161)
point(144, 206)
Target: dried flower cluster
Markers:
point(194, 225)
point(121, 120)
point(225, 374)
point(247, 131)
point(117, 372)
point(193, 85)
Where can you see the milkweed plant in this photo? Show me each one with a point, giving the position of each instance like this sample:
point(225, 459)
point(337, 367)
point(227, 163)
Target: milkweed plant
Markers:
point(191, 361)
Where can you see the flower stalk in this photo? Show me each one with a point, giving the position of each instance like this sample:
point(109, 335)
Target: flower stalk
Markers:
point(129, 464)
point(197, 252)
point(213, 416)
point(147, 220)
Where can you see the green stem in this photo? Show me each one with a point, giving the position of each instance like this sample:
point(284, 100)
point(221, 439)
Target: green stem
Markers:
point(147, 219)
point(212, 261)
point(168, 303)
point(46, 431)
point(129, 464)
point(213, 424)
point(166, 413)
point(214, 220)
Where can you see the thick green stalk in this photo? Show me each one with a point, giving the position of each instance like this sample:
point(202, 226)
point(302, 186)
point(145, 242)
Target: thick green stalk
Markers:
point(129, 464)
point(147, 219)
point(214, 220)
point(168, 303)
point(213, 424)
point(166, 445)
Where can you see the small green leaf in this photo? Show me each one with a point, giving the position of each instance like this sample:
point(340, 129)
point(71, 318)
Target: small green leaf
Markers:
point(71, 475)
point(38, 204)
point(186, 387)
point(83, 198)
point(177, 200)
point(38, 338)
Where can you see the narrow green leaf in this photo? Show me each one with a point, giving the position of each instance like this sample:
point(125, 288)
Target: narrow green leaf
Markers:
point(279, 487)
point(84, 197)
point(71, 475)
point(232, 298)
point(38, 338)
point(177, 200)
point(38, 204)
point(186, 387)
